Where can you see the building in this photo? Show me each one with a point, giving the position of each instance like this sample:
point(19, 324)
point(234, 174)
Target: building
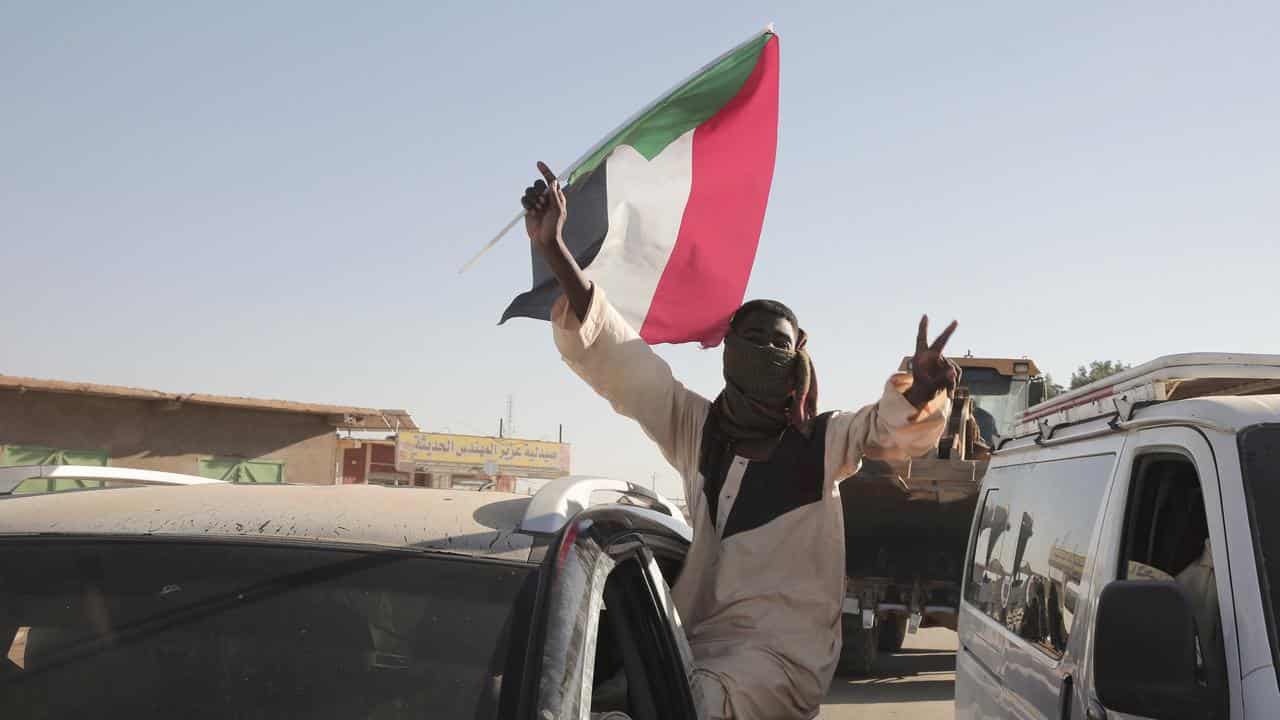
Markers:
point(372, 461)
point(232, 438)
point(440, 460)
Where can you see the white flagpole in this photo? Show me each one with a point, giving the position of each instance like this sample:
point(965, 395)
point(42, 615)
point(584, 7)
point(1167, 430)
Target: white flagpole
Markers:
point(567, 175)
point(489, 245)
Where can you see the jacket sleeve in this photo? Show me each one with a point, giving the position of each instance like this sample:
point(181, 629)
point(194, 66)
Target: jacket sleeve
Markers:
point(891, 429)
point(606, 352)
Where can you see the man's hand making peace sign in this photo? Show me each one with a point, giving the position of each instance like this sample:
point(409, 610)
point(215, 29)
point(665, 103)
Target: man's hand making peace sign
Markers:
point(930, 370)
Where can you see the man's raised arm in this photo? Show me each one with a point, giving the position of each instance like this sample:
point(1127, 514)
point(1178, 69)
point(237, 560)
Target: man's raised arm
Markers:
point(603, 349)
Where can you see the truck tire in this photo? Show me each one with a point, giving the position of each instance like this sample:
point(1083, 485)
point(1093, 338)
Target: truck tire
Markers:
point(858, 653)
point(893, 633)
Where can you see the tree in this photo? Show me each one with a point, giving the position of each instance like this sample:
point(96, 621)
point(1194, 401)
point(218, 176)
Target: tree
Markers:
point(1097, 370)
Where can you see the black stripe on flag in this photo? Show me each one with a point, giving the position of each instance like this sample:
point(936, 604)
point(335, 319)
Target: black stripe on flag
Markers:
point(584, 233)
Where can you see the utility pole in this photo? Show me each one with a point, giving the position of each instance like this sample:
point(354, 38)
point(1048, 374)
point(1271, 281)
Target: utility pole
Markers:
point(511, 419)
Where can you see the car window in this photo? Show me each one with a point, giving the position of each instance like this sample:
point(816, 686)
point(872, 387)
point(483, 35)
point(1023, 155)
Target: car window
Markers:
point(1032, 546)
point(193, 630)
point(637, 670)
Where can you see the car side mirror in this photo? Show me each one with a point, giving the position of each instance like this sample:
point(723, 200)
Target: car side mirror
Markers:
point(1147, 658)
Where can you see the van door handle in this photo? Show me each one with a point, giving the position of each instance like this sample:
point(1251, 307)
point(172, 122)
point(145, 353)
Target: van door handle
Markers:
point(1096, 711)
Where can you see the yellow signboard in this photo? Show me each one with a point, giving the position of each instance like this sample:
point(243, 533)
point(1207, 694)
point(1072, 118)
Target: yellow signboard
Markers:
point(440, 452)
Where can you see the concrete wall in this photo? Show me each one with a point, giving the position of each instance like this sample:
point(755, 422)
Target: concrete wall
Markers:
point(146, 434)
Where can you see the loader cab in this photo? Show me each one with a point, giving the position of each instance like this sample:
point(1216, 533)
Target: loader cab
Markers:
point(1001, 389)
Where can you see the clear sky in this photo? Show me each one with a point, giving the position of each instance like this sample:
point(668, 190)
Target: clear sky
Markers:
point(273, 199)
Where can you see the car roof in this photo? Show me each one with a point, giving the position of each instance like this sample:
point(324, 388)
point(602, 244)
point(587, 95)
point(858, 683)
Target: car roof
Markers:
point(460, 521)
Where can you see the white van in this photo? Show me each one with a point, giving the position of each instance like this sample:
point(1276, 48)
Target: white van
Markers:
point(1125, 551)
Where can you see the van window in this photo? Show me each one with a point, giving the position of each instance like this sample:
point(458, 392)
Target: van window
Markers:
point(1041, 527)
point(985, 572)
point(1166, 539)
point(1260, 464)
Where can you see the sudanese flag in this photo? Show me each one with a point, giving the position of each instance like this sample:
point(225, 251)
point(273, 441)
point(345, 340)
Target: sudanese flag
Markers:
point(666, 212)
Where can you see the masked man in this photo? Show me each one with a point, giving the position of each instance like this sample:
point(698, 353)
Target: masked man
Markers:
point(761, 590)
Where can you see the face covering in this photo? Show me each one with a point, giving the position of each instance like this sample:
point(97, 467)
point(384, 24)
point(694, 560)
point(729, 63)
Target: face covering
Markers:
point(761, 383)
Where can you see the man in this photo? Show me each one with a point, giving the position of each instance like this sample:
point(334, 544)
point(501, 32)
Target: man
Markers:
point(1199, 581)
point(761, 591)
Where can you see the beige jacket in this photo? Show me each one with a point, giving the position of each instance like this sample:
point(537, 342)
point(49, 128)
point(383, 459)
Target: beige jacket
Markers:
point(761, 607)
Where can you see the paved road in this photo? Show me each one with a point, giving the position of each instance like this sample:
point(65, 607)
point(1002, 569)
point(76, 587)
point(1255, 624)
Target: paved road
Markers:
point(917, 683)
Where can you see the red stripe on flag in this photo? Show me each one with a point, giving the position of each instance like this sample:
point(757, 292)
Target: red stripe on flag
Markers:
point(733, 156)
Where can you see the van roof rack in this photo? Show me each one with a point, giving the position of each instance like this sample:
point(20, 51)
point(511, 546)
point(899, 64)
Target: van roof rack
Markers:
point(13, 476)
point(1172, 377)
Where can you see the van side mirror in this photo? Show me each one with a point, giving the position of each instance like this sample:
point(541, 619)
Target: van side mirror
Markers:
point(1146, 654)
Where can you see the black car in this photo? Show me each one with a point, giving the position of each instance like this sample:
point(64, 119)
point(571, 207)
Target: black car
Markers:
point(224, 601)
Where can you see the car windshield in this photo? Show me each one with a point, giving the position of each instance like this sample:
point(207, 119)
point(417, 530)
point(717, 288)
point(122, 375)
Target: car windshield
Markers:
point(998, 399)
point(193, 630)
point(1260, 466)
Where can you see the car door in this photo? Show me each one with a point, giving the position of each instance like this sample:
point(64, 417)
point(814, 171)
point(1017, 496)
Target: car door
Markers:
point(663, 559)
point(663, 649)
point(607, 636)
point(1126, 519)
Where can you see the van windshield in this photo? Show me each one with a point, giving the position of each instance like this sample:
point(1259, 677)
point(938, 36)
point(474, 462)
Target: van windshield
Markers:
point(168, 629)
point(1260, 465)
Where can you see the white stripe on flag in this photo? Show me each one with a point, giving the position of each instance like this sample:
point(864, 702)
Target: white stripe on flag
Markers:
point(646, 205)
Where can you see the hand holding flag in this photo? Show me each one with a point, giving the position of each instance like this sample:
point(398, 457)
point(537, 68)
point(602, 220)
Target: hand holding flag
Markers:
point(544, 211)
point(667, 210)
